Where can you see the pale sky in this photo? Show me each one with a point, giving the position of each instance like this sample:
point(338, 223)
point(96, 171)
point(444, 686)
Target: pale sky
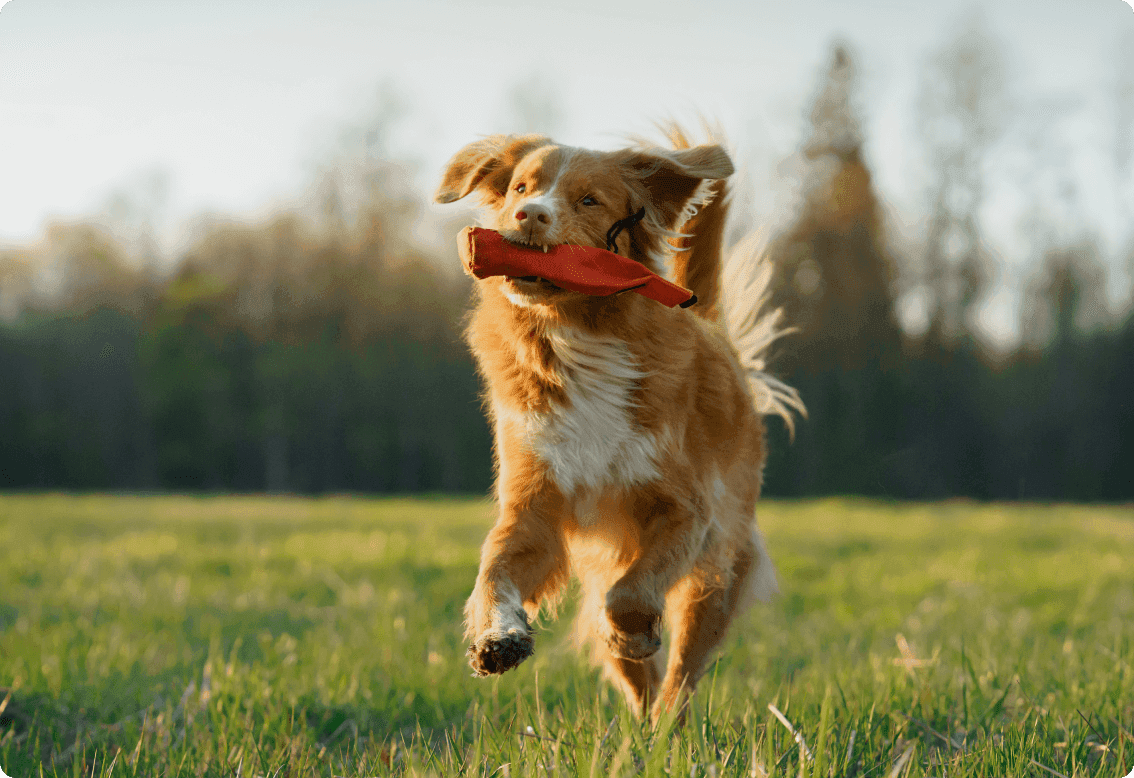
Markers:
point(237, 102)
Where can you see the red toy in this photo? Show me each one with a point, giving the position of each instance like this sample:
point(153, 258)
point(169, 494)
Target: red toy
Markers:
point(591, 271)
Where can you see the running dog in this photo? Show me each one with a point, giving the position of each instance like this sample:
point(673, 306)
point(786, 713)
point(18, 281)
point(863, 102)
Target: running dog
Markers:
point(629, 435)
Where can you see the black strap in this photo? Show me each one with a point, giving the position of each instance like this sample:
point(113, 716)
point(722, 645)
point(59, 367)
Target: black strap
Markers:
point(620, 225)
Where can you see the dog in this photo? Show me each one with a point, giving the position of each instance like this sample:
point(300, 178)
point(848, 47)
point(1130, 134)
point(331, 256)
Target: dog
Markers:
point(629, 436)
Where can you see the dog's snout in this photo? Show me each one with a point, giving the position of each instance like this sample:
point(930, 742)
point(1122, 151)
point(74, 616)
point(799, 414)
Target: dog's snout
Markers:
point(533, 212)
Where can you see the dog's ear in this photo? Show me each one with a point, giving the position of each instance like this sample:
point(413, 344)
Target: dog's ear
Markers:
point(487, 165)
point(672, 178)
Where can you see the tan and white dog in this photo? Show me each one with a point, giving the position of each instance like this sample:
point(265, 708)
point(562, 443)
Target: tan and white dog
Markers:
point(629, 436)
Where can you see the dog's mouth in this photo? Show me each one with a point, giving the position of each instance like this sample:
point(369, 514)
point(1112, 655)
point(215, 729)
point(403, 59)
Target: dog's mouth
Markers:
point(536, 282)
point(531, 283)
point(518, 239)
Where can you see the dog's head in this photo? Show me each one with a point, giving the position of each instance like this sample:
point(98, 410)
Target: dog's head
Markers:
point(542, 194)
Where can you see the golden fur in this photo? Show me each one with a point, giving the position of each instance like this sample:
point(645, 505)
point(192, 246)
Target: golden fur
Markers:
point(629, 447)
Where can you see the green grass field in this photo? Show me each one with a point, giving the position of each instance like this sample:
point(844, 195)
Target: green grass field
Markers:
point(172, 636)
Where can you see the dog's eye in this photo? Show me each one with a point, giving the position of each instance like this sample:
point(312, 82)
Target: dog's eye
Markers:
point(521, 188)
point(588, 200)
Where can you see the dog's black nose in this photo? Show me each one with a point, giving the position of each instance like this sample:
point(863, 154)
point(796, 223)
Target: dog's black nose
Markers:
point(533, 211)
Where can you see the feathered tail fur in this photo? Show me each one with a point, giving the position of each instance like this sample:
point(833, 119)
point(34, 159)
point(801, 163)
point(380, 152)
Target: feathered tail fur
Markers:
point(753, 327)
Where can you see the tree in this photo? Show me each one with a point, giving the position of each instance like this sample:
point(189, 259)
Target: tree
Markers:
point(835, 284)
point(836, 272)
point(15, 283)
point(1066, 298)
point(962, 112)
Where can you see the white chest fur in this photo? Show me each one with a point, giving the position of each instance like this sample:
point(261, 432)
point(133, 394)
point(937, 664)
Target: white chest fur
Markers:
point(592, 440)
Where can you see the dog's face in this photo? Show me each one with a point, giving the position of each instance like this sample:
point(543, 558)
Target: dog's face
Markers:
point(542, 194)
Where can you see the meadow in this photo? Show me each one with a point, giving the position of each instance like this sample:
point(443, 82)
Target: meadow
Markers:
point(263, 636)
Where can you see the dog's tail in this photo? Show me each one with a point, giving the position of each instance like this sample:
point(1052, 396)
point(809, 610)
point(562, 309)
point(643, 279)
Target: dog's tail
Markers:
point(752, 326)
point(697, 261)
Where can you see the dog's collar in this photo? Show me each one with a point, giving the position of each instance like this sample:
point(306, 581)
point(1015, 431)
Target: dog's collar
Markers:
point(620, 225)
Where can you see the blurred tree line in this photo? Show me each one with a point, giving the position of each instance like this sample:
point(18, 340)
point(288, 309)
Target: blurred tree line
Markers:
point(299, 355)
point(937, 414)
point(321, 351)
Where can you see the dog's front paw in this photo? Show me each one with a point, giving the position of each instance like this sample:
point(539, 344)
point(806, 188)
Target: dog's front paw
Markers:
point(635, 628)
point(495, 652)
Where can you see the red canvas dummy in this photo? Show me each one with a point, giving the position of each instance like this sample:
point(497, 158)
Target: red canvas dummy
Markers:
point(583, 269)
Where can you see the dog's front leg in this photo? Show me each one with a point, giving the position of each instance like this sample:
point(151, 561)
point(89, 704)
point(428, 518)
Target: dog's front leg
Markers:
point(522, 561)
point(672, 532)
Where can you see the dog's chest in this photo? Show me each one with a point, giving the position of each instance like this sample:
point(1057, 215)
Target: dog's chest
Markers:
point(591, 440)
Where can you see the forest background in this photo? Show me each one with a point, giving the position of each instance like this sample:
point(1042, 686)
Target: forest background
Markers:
point(319, 349)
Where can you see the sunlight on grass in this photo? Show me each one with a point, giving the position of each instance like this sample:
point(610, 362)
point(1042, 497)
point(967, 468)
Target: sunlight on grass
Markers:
point(285, 636)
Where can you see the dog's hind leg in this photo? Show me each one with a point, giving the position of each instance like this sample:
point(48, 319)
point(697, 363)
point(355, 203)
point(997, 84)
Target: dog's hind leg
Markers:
point(638, 680)
point(700, 616)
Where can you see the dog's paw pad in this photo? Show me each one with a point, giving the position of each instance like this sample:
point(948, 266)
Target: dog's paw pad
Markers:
point(635, 633)
point(494, 654)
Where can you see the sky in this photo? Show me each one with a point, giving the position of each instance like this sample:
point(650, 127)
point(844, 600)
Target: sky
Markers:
point(232, 107)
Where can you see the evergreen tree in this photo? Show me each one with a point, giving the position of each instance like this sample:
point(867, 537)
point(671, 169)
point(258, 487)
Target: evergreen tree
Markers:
point(836, 274)
point(835, 284)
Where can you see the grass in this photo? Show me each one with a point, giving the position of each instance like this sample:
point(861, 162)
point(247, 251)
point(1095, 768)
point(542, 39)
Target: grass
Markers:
point(147, 636)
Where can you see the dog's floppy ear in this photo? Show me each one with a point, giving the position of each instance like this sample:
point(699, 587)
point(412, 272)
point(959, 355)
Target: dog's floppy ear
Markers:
point(487, 165)
point(672, 178)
